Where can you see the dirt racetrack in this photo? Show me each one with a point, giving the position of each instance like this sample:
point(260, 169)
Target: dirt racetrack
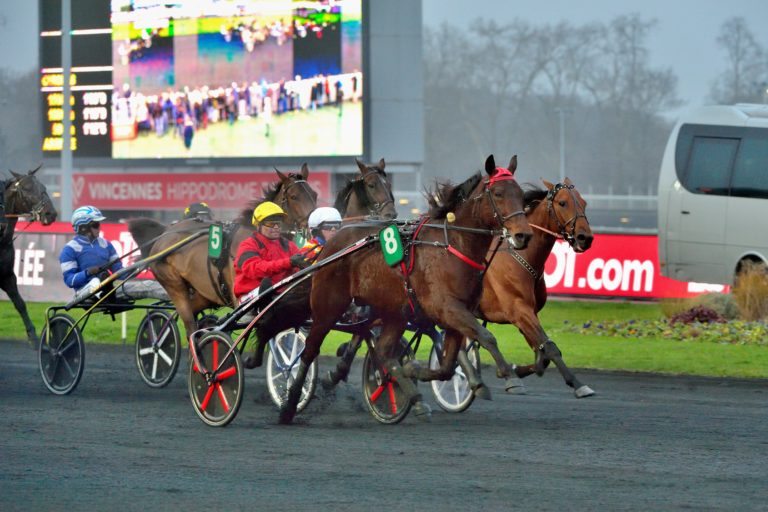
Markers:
point(644, 442)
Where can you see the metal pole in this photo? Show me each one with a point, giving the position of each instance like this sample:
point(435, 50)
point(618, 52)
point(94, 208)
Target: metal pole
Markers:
point(65, 210)
point(561, 114)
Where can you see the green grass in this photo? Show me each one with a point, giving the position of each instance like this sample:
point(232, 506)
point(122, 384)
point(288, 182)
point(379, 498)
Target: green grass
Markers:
point(673, 356)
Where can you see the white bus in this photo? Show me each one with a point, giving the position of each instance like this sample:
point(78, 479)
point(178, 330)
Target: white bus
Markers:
point(713, 194)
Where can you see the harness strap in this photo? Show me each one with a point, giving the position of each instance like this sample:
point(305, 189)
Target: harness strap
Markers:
point(465, 259)
point(527, 266)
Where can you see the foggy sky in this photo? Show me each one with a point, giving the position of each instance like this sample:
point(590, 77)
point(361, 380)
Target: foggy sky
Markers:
point(684, 38)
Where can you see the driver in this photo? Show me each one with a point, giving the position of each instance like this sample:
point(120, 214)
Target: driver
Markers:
point(266, 257)
point(323, 223)
point(89, 258)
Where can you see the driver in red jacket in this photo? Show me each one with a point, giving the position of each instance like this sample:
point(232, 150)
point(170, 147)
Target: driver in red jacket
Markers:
point(266, 254)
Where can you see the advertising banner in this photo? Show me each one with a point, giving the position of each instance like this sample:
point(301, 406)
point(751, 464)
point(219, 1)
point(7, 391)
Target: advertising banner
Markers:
point(163, 191)
point(616, 266)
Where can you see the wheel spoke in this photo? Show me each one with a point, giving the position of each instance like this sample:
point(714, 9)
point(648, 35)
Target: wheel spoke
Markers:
point(456, 391)
point(215, 354)
point(392, 399)
point(66, 365)
point(162, 339)
point(207, 399)
point(145, 351)
point(284, 357)
point(165, 357)
point(229, 372)
point(154, 367)
point(223, 398)
point(68, 346)
point(152, 333)
point(376, 394)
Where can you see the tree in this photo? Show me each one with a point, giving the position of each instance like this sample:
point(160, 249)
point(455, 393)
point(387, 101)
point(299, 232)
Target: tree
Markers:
point(746, 75)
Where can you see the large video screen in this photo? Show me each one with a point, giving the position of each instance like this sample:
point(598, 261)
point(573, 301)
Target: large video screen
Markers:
point(188, 79)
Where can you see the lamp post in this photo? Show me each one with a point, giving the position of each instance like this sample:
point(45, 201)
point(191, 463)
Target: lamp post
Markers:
point(561, 112)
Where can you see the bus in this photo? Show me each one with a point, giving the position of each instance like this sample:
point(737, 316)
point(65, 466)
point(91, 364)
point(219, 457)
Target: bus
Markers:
point(713, 194)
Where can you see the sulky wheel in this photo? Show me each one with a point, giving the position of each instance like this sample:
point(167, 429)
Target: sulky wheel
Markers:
point(454, 395)
point(158, 348)
point(61, 355)
point(216, 394)
point(283, 365)
point(381, 392)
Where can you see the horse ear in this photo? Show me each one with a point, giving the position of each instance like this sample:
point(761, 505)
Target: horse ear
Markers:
point(304, 170)
point(382, 164)
point(548, 184)
point(490, 165)
point(282, 176)
point(567, 181)
point(33, 171)
point(512, 164)
point(360, 165)
point(15, 174)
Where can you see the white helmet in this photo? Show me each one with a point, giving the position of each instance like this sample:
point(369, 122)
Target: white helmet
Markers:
point(323, 214)
point(85, 215)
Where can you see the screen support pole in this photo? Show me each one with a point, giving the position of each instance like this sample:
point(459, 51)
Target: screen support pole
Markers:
point(65, 211)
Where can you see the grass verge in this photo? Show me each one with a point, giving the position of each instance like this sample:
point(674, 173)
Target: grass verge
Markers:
point(647, 354)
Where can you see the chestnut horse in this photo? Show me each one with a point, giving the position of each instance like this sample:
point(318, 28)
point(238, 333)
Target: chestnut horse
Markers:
point(22, 195)
point(370, 194)
point(514, 290)
point(191, 280)
point(442, 283)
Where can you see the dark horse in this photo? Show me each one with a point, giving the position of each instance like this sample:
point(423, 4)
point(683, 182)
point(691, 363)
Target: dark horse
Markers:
point(23, 195)
point(514, 290)
point(191, 280)
point(370, 194)
point(443, 284)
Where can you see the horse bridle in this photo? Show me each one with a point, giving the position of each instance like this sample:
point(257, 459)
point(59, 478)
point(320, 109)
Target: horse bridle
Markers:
point(14, 193)
point(563, 227)
point(377, 207)
point(284, 191)
point(500, 217)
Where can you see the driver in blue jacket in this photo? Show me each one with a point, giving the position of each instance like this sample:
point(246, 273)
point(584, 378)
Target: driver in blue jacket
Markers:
point(88, 259)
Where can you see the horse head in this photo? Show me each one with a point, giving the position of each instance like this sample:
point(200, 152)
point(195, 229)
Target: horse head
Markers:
point(295, 196)
point(369, 194)
point(26, 195)
point(566, 209)
point(501, 202)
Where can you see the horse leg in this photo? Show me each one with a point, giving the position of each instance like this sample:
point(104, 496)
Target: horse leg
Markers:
point(333, 377)
point(388, 351)
point(324, 317)
point(546, 350)
point(8, 284)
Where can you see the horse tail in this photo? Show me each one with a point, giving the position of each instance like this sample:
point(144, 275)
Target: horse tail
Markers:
point(144, 231)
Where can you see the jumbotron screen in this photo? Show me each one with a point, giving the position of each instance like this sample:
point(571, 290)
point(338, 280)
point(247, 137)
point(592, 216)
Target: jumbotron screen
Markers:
point(188, 79)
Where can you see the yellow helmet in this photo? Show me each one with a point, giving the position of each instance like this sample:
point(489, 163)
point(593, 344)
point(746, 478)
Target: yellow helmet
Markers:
point(264, 210)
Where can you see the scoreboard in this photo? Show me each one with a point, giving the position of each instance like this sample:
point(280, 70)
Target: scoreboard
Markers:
point(210, 79)
point(90, 80)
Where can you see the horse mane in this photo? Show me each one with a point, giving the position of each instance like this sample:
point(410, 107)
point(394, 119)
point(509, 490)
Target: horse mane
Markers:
point(532, 195)
point(356, 187)
point(270, 193)
point(446, 196)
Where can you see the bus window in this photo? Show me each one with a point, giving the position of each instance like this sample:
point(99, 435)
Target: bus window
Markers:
point(750, 172)
point(710, 164)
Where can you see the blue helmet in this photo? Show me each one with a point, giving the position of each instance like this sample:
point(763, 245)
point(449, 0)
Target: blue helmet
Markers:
point(85, 215)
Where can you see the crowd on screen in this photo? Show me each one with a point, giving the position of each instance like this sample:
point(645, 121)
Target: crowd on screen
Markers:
point(180, 111)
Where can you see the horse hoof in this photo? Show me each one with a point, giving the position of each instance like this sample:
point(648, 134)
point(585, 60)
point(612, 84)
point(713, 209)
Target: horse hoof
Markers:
point(328, 382)
point(286, 416)
point(583, 392)
point(422, 412)
point(482, 392)
point(514, 386)
point(342, 349)
point(250, 362)
point(411, 369)
point(34, 342)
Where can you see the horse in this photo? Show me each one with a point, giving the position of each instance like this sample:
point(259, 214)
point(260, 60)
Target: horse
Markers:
point(370, 194)
point(367, 197)
point(23, 195)
point(514, 290)
point(441, 282)
point(181, 273)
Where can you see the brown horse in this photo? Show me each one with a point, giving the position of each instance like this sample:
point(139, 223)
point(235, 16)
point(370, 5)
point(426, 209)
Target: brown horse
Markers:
point(192, 281)
point(442, 285)
point(23, 195)
point(370, 194)
point(514, 290)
